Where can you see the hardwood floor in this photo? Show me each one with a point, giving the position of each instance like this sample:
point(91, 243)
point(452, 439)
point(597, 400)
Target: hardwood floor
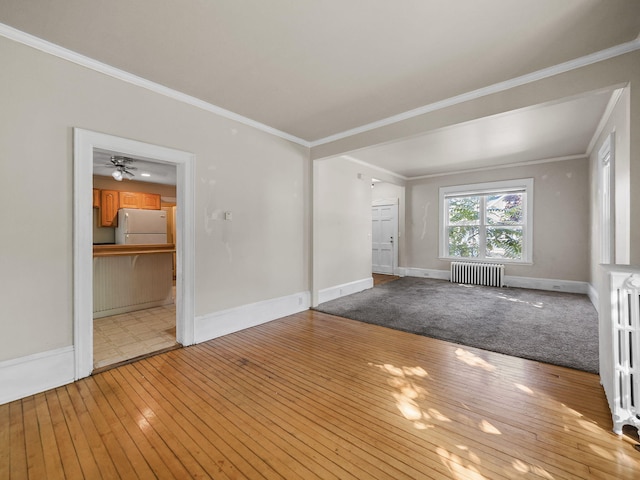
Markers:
point(316, 396)
point(381, 279)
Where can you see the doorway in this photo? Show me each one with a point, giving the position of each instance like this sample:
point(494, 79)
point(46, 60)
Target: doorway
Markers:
point(85, 144)
point(134, 312)
point(384, 235)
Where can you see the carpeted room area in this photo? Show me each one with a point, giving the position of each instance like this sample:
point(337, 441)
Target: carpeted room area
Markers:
point(551, 327)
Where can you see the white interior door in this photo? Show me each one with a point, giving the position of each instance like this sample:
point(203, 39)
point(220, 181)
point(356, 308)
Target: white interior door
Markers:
point(384, 235)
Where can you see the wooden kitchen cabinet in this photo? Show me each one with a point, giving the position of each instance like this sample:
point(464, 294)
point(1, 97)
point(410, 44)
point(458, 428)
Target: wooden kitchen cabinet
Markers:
point(109, 204)
point(146, 201)
point(129, 199)
point(150, 201)
point(111, 200)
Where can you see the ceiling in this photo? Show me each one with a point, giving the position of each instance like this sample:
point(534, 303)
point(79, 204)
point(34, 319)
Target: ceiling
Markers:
point(146, 170)
point(316, 69)
point(559, 130)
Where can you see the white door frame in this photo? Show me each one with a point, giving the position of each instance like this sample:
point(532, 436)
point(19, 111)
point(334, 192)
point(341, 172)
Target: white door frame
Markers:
point(394, 202)
point(85, 141)
point(606, 166)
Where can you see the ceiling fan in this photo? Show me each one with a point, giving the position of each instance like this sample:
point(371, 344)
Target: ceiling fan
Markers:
point(122, 167)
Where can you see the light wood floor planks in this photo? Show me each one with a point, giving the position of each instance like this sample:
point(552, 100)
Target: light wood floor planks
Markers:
point(316, 396)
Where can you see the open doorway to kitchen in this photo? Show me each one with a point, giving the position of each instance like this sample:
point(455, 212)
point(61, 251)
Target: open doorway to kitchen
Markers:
point(134, 205)
point(175, 295)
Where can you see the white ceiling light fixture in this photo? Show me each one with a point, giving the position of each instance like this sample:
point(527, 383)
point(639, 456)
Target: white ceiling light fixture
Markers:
point(122, 167)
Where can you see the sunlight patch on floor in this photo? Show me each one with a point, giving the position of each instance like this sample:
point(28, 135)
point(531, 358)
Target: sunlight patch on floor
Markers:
point(474, 360)
point(523, 388)
point(408, 407)
point(503, 296)
point(526, 468)
point(571, 410)
point(455, 465)
point(411, 399)
point(487, 427)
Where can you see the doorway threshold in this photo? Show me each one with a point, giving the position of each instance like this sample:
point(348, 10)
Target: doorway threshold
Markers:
point(104, 368)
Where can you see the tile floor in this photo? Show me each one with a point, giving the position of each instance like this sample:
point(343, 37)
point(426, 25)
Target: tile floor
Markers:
point(129, 335)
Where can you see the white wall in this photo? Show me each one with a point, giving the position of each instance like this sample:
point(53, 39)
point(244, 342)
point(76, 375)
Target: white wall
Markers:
point(342, 223)
point(263, 253)
point(560, 223)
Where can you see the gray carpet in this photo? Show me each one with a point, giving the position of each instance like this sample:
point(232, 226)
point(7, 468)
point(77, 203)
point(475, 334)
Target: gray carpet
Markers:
point(551, 327)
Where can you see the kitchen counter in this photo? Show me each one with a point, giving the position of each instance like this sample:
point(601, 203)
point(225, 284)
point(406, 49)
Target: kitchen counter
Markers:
point(116, 250)
point(131, 277)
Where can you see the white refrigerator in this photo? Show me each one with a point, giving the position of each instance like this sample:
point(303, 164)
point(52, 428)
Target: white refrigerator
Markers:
point(136, 226)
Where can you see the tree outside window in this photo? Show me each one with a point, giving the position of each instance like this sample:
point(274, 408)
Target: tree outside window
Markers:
point(488, 225)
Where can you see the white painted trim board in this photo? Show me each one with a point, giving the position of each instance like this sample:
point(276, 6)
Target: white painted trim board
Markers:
point(337, 291)
point(84, 61)
point(21, 377)
point(228, 321)
point(550, 284)
point(85, 141)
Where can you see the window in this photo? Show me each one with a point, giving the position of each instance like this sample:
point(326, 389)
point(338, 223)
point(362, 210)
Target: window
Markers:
point(489, 221)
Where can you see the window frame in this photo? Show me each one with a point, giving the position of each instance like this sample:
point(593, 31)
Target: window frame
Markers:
point(482, 189)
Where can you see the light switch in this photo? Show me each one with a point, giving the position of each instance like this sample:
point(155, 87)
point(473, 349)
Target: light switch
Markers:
point(227, 216)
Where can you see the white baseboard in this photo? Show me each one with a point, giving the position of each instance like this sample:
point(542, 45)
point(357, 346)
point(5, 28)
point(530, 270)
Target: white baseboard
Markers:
point(567, 286)
point(24, 376)
point(338, 291)
point(553, 285)
point(424, 272)
point(593, 296)
point(221, 323)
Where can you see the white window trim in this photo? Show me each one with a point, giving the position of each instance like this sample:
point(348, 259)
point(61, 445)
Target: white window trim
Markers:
point(525, 184)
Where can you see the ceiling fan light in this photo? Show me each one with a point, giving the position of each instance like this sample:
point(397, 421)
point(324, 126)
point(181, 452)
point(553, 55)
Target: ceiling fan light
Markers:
point(117, 175)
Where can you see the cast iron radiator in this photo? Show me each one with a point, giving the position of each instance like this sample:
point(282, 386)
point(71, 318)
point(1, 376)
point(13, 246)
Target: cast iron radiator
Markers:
point(490, 274)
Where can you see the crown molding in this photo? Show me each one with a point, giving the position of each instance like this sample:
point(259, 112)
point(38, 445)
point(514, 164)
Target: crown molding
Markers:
point(469, 170)
point(374, 167)
point(82, 60)
point(584, 61)
point(508, 165)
